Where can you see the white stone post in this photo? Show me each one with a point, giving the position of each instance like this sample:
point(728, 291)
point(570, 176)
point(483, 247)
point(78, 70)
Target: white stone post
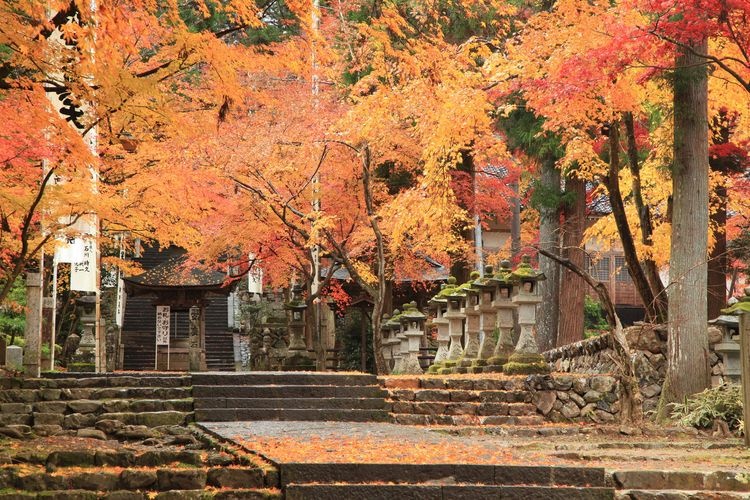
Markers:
point(412, 322)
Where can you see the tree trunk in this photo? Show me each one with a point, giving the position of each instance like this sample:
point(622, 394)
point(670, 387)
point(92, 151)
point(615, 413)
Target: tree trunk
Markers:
point(572, 286)
point(687, 354)
point(631, 399)
point(644, 218)
point(612, 182)
point(549, 240)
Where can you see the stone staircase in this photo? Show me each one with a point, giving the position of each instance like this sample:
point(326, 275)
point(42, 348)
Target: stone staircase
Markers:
point(288, 396)
point(220, 351)
point(183, 463)
point(461, 401)
point(310, 481)
point(110, 404)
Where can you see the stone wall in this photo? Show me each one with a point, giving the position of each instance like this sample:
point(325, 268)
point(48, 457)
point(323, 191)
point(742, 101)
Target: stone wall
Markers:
point(575, 398)
point(649, 345)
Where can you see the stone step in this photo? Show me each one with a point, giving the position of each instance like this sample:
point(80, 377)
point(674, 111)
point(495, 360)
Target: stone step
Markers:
point(679, 495)
point(503, 383)
point(441, 492)
point(503, 475)
point(62, 380)
point(285, 391)
point(284, 378)
point(222, 494)
point(414, 419)
point(460, 396)
point(290, 414)
point(680, 480)
point(296, 403)
point(153, 479)
point(465, 408)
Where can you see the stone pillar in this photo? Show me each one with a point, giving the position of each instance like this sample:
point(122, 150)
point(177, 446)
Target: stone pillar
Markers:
point(195, 353)
point(526, 358)
point(84, 359)
point(742, 308)
point(486, 289)
point(33, 334)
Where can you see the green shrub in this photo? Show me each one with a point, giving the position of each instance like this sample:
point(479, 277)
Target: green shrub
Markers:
point(700, 410)
point(594, 322)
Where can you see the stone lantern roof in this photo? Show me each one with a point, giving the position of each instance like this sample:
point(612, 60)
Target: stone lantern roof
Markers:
point(524, 272)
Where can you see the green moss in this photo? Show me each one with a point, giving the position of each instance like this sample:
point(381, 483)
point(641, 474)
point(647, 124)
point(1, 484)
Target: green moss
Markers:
point(81, 367)
point(516, 368)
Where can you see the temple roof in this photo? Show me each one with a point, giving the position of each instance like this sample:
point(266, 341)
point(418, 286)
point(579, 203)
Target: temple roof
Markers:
point(173, 274)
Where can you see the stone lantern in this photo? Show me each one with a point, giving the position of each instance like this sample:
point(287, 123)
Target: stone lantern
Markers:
point(485, 289)
point(504, 316)
point(526, 358)
point(400, 342)
point(472, 312)
point(412, 324)
point(84, 359)
point(385, 342)
point(729, 348)
point(297, 357)
point(455, 315)
point(438, 304)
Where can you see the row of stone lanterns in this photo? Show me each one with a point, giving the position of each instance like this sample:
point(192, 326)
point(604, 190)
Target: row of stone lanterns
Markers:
point(468, 317)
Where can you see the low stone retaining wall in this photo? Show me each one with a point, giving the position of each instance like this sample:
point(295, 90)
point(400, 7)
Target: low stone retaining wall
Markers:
point(649, 345)
point(503, 400)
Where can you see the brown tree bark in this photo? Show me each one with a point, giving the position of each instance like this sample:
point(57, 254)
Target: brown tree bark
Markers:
point(572, 286)
point(549, 240)
point(612, 181)
point(644, 218)
point(687, 345)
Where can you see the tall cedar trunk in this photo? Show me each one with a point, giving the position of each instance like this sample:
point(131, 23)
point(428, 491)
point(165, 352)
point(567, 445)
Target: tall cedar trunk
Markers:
point(549, 240)
point(687, 345)
point(717, 261)
point(644, 218)
point(572, 286)
point(612, 182)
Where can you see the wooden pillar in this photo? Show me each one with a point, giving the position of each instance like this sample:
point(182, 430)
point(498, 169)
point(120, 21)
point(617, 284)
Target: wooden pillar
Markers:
point(33, 334)
point(745, 367)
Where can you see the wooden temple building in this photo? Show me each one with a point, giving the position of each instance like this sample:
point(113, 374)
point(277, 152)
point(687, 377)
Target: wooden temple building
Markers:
point(166, 292)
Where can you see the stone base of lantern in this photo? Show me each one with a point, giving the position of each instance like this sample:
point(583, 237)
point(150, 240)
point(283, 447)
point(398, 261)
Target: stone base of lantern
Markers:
point(298, 361)
point(524, 363)
point(411, 366)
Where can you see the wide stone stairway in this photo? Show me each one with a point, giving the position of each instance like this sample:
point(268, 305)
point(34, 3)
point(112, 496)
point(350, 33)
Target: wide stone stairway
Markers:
point(222, 397)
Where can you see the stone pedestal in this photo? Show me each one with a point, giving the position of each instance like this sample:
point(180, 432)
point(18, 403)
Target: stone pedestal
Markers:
point(33, 335)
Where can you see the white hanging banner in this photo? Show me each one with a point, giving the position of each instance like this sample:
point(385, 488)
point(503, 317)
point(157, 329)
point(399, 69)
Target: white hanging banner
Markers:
point(255, 276)
point(83, 272)
point(120, 303)
point(69, 250)
point(162, 325)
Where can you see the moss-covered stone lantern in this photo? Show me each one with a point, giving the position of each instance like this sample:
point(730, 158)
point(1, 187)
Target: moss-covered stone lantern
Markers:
point(485, 288)
point(412, 324)
point(471, 310)
point(455, 316)
point(526, 358)
point(438, 306)
point(504, 320)
point(400, 342)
